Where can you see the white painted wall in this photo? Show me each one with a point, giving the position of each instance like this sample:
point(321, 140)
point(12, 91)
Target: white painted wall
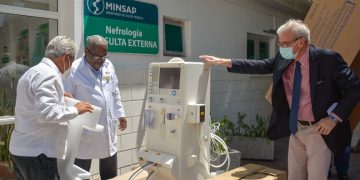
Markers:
point(216, 27)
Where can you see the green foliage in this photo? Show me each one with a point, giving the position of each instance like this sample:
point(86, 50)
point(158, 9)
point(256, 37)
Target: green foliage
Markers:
point(5, 141)
point(5, 107)
point(228, 128)
point(237, 130)
point(223, 131)
point(254, 130)
point(5, 130)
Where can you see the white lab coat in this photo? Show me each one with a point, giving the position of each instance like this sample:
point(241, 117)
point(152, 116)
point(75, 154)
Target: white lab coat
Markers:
point(41, 113)
point(83, 85)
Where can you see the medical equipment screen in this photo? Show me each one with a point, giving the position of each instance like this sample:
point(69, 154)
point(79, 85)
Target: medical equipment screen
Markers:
point(169, 78)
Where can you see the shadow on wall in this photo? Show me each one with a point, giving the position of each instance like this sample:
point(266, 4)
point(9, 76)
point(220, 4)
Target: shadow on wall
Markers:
point(140, 136)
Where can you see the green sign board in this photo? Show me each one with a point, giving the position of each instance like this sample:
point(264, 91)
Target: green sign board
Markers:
point(129, 26)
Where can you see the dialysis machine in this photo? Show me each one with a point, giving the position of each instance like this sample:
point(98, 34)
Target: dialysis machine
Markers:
point(67, 169)
point(177, 121)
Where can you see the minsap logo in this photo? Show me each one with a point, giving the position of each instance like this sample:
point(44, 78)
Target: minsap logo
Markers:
point(97, 7)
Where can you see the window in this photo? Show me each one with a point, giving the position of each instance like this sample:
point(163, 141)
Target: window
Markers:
point(250, 49)
point(47, 5)
point(257, 46)
point(25, 29)
point(23, 39)
point(173, 38)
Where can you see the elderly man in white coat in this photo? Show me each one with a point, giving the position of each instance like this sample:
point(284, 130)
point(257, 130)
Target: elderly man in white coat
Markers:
point(39, 137)
point(93, 79)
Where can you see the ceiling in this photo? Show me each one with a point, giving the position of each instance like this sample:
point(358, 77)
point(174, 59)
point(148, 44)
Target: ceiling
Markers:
point(298, 8)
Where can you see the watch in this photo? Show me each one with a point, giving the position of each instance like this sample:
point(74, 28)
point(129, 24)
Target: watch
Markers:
point(333, 118)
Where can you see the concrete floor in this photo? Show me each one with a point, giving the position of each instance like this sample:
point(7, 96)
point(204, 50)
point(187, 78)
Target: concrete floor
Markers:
point(280, 161)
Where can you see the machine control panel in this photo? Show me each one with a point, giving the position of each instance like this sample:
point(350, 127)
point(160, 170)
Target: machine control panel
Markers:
point(164, 81)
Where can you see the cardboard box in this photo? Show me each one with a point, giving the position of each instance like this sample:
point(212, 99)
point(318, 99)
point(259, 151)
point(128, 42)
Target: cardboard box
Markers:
point(354, 117)
point(334, 25)
point(142, 176)
point(268, 94)
point(252, 171)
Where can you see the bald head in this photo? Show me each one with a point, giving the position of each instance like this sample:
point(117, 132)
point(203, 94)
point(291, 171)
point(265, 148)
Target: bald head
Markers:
point(96, 51)
point(95, 41)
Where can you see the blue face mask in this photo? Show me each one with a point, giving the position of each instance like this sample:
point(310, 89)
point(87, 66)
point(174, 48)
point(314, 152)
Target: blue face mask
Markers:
point(287, 53)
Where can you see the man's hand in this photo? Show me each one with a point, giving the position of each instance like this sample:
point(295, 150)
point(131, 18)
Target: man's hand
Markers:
point(215, 60)
point(325, 126)
point(83, 107)
point(68, 95)
point(123, 123)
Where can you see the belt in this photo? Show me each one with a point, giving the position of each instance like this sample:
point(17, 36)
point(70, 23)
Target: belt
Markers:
point(306, 123)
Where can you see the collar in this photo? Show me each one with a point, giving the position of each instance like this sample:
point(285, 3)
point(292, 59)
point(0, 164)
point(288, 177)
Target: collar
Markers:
point(51, 63)
point(305, 57)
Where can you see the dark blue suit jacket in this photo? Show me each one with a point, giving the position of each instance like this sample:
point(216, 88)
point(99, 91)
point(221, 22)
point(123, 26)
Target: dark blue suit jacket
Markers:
point(331, 80)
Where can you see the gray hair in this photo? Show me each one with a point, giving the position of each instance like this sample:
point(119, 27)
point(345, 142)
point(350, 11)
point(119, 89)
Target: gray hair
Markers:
point(59, 46)
point(96, 40)
point(298, 27)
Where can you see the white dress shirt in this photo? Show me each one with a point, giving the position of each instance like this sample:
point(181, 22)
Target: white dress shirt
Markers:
point(100, 88)
point(41, 113)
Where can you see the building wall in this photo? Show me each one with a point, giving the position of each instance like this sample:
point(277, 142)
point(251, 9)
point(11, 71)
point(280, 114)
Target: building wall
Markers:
point(216, 27)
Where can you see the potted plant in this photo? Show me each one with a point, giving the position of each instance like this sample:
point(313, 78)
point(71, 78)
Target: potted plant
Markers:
point(5, 132)
point(251, 139)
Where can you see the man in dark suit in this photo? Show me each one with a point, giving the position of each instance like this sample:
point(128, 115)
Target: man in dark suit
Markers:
point(314, 91)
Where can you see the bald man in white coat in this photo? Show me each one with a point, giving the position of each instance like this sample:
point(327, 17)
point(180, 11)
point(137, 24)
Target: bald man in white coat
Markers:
point(93, 79)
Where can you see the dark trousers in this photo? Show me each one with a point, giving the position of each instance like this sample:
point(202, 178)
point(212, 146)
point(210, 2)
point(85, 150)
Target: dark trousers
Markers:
point(40, 167)
point(341, 160)
point(107, 166)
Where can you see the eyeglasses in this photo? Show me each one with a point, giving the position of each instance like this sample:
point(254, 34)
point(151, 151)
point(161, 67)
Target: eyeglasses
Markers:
point(287, 44)
point(97, 58)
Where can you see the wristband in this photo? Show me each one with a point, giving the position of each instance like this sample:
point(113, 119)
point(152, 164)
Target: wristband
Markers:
point(333, 118)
